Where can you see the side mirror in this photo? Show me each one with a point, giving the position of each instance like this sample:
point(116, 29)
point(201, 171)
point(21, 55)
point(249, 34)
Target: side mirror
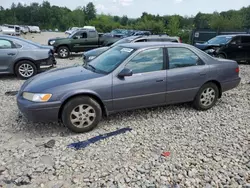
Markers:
point(125, 72)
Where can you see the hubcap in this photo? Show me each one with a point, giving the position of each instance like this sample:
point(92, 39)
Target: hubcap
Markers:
point(207, 96)
point(63, 52)
point(26, 70)
point(82, 116)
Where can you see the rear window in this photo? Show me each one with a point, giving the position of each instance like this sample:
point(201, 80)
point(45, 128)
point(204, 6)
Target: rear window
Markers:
point(92, 34)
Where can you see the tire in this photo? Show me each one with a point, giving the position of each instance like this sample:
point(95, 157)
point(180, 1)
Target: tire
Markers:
point(203, 97)
point(25, 69)
point(222, 56)
point(63, 52)
point(91, 111)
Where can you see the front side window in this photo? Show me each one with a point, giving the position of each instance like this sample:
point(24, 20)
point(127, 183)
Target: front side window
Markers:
point(182, 57)
point(236, 40)
point(110, 59)
point(147, 61)
point(5, 44)
point(245, 40)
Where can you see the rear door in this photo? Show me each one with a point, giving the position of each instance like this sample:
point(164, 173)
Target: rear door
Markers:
point(8, 53)
point(186, 73)
point(92, 40)
point(245, 40)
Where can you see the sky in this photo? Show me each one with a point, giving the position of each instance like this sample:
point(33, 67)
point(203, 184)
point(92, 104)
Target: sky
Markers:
point(134, 8)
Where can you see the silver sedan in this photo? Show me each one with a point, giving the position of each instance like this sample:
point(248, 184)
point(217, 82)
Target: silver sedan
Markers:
point(24, 58)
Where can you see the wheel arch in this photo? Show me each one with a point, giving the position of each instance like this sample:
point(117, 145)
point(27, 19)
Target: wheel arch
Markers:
point(217, 84)
point(63, 45)
point(75, 95)
point(22, 59)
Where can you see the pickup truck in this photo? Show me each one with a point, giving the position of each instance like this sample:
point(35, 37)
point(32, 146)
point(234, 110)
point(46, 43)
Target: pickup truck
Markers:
point(80, 41)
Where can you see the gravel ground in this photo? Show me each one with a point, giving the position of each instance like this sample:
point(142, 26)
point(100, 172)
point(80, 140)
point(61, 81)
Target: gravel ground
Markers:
point(207, 149)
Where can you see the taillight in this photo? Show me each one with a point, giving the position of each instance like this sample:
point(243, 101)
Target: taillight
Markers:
point(180, 40)
point(237, 70)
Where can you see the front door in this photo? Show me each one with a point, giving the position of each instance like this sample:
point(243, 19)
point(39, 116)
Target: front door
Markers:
point(146, 87)
point(79, 41)
point(185, 75)
point(7, 54)
point(234, 49)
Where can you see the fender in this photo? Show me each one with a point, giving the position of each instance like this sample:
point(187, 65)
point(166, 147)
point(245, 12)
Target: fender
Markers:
point(84, 92)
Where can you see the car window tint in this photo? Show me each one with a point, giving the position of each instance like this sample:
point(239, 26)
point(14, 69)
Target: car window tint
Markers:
point(147, 61)
point(91, 34)
point(236, 40)
point(5, 44)
point(181, 57)
point(18, 45)
point(141, 40)
point(245, 39)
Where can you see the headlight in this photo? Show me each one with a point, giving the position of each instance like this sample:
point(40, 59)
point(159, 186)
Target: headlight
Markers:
point(210, 51)
point(92, 57)
point(52, 42)
point(37, 97)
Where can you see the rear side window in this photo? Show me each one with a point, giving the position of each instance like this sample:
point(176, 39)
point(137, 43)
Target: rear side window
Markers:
point(245, 39)
point(92, 34)
point(182, 57)
point(141, 40)
point(5, 44)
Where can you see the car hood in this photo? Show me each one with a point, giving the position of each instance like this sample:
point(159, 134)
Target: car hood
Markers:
point(204, 46)
point(58, 77)
point(57, 38)
point(96, 52)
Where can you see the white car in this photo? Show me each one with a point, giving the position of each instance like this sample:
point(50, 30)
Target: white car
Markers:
point(34, 29)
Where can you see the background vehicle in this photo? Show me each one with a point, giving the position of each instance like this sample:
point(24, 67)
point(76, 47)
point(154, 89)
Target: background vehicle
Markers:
point(91, 54)
point(79, 41)
point(11, 29)
point(126, 77)
point(34, 29)
point(24, 58)
point(235, 47)
point(24, 29)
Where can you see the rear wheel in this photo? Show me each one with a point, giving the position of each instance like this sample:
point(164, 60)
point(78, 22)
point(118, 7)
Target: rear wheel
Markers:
point(81, 114)
point(206, 97)
point(63, 52)
point(25, 69)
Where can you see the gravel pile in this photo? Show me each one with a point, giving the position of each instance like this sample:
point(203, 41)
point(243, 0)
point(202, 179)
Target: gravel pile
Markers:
point(207, 149)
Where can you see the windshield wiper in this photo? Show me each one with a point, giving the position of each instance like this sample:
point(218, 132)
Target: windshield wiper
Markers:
point(91, 66)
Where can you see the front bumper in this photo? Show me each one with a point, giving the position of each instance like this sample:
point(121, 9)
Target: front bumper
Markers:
point(39, 112)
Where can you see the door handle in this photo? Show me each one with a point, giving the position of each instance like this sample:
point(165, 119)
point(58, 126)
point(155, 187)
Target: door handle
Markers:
point(160, 80)
point(202, 74)
point(11, 54)
point(239, 46)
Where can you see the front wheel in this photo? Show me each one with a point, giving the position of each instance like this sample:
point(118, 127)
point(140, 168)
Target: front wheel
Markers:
point(25, 69)
point(81, 114)
point(221, 56)
point(206, 97)
point(63, 52)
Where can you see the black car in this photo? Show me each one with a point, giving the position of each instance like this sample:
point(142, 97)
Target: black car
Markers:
point(235, 47)
point(91, 54)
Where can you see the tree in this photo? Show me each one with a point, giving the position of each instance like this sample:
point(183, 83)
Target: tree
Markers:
point(90, 11)
point(124, 20)
point(174, 25)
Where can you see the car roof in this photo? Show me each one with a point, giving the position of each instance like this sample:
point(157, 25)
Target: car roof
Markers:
point(233, 35)
point(139, 45)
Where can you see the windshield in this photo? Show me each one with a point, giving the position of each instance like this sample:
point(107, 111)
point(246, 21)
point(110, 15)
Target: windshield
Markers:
point(110, 59)
point(72, 34)
point(219, 40)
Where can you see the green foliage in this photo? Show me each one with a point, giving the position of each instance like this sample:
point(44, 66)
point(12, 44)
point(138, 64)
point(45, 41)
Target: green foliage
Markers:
point(51, 17)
